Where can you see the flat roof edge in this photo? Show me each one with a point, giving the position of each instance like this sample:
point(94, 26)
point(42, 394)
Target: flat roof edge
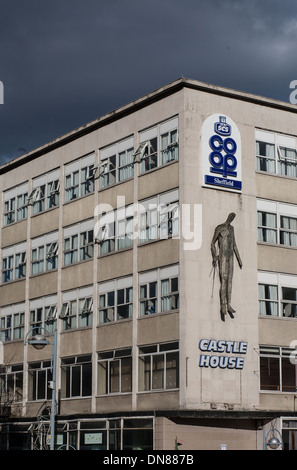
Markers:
point(139, 103)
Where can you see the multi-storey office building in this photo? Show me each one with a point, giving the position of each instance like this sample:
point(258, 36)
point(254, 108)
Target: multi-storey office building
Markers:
point(122, 237)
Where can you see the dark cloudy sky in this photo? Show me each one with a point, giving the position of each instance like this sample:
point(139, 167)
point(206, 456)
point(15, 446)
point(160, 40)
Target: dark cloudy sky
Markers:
point(64, 63)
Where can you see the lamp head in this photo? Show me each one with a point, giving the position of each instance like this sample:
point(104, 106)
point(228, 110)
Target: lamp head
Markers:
point(273, 443)
point(38, 341)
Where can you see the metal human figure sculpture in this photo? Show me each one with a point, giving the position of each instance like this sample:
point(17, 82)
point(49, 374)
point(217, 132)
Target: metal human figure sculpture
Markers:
point(225, 238)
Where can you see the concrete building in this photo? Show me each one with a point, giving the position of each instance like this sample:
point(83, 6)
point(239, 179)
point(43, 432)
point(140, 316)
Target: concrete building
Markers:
point(117, 236)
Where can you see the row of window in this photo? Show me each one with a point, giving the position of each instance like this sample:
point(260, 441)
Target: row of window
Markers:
point(114, 433)
point(115, 230)
point(158, 369)
point(276, 154)
point(277, 223)
point(277, 294)
point(158, 293)
point(158, 146)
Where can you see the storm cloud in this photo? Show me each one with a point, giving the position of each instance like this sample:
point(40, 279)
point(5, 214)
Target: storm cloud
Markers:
point(64, 63)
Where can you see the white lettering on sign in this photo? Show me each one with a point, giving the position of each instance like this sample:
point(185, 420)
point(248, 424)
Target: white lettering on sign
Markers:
point(222, 346)
point(221, 153)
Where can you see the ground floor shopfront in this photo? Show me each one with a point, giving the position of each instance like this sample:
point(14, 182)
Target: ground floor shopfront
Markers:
point(184, 431)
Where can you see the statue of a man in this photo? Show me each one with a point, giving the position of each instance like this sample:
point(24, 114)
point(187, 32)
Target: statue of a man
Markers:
point(225, 238)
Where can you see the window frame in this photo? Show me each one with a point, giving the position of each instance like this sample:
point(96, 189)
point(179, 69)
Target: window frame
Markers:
point(148, 357)
point(110, 312)
point(79, 178)
point(69, 368)
point(73, 243)
point(151, 150)
point(77, 309)
point(282, 144)
point(281, 212)
point(154, 302)
point(281, 356)
point(111, 366)
point(14, 263)
point(285, 308)
point(15, 204)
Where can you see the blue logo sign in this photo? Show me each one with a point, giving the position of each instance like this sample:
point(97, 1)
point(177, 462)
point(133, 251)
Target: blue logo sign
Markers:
point(222, 155)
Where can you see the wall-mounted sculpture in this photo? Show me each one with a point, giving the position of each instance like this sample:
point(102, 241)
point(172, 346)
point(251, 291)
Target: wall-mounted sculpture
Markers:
point(224, 238)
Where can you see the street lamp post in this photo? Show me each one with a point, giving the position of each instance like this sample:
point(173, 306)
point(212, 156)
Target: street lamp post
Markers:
point(39, 341)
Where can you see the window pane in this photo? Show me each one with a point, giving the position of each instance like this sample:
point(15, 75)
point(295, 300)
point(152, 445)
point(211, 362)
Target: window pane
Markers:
point(288, 376)
point(269, 373)
point(158, 372)
point(87, 380)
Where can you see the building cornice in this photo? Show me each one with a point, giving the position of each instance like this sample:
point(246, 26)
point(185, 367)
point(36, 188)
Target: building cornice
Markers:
point(140, 103)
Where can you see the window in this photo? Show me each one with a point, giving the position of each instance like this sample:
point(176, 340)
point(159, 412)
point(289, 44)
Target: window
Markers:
point(14, 263)
point(277, 295)
point(159, 217)
point(277, 223)
point(12, 320)
point(267, 228)
point(115, 300)
point(78, 243)
point(158, 145)
point(265, 157)
point(15, 204)
point(115, 372)
point(79, 178)
point(11, 384)
point(159, 291)
point(45, 193)
point(276, 153)
point(43, 313)
point(277, 372)
point(44, 254)
point(39, 376)
point(159, 367)
point(115, 230)
point(76, 376)
point(116, 163)
point(77, 308)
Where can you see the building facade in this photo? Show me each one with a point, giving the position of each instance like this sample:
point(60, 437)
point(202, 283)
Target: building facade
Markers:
point(159, 243)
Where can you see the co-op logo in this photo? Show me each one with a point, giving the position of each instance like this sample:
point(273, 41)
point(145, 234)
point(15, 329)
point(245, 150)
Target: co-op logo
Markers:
point(222, 158)
point(221, 153)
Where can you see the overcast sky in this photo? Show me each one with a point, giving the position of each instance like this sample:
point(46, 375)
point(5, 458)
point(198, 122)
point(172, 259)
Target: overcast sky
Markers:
point(64, 63)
